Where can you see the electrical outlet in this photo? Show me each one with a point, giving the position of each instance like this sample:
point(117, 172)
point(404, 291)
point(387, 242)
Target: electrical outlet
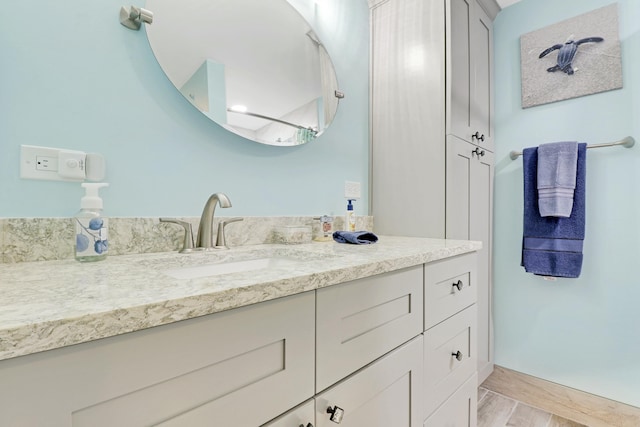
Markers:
point(44, 163)
point(352, 190)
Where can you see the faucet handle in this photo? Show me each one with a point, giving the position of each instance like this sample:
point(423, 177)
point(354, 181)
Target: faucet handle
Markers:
point(221, 241)
point(187, 244)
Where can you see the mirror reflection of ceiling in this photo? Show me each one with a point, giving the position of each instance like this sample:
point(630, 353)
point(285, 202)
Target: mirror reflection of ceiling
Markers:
point(253, 66)
point(505, 3)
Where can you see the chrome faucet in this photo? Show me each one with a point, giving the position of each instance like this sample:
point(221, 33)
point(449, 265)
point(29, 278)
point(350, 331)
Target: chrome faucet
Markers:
point(205, 230)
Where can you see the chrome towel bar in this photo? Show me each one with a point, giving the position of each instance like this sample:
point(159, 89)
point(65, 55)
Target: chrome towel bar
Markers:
point(627, 142)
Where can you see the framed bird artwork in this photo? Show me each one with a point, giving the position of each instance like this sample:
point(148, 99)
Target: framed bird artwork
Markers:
point(576, 57)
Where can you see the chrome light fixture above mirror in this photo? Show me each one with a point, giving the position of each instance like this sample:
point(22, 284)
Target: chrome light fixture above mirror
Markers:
point(255, 67)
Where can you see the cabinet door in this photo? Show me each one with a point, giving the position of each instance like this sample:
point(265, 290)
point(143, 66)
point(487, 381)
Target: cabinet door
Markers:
point(459, 68)
point(460, 161)
point(482, 81)
point(200, 372)
point(460, 410)
point(450, 357)
point(359, 321)
point(481, 228)
point(470, 217)
point(385, 393)
point(408, 118)
point(469, 73)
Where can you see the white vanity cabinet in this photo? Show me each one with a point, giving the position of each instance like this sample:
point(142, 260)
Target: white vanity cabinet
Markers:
point(378, 351)
point(431, 94)
point(237, 368)
point(470, 146)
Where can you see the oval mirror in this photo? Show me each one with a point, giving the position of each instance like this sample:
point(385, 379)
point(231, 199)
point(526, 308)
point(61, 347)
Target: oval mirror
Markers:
point(255, 67)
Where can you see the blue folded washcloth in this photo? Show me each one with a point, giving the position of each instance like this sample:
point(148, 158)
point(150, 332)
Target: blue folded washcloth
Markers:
point(355, 237)
point(557, 165)
point(552, 246)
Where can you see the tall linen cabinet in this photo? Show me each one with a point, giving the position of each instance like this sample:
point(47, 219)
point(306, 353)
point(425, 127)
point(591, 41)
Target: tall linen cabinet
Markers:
point(432, 161)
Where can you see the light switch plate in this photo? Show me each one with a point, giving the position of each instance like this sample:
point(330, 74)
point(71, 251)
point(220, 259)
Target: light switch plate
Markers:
point(352, 190)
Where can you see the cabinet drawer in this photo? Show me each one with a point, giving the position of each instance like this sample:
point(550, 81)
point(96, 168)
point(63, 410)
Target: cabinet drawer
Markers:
point(200, 372)
point(303, 415)
point(450, 356)
point(449, 286)
point(386, 393)
point(280, 359)
point(459, 410)
point(359, 321)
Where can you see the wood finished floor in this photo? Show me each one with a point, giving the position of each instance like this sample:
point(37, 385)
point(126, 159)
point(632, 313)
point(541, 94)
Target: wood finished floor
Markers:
point(581, 407)
point(496, 410)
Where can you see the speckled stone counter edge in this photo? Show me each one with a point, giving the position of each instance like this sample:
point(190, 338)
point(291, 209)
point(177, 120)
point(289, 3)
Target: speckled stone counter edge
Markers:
point(52, 304)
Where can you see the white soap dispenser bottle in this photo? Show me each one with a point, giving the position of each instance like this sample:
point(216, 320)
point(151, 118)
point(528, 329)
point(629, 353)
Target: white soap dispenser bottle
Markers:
point(91, 227)
point(350, 217)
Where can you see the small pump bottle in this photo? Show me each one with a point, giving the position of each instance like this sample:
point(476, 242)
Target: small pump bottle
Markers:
point(91, 227)
point(350, 217)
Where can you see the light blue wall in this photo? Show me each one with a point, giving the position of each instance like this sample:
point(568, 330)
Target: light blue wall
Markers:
point(73, 77)
point(583, 332)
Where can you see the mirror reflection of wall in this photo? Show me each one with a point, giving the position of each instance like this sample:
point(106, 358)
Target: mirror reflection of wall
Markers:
point(255, 67)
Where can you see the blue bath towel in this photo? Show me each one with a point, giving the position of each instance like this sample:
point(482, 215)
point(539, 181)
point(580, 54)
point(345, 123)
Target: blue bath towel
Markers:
point(552, 246)
point(355, 237)
point(557, 165)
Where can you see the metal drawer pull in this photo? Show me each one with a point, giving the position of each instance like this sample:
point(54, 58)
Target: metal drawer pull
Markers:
point(308, 425)
point(478, 136)
point(457, 355)
point(478, 152)
point(458, 285)
point(336, 414)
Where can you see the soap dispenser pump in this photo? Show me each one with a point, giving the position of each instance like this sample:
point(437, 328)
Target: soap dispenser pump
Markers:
point(350, 217)
point(91, 227)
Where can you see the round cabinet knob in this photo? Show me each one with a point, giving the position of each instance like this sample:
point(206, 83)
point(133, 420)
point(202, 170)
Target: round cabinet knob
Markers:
point(457, 355)
point(458, 285)
point(336, 414)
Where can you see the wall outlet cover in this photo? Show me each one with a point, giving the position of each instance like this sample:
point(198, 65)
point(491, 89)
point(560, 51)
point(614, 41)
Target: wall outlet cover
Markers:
point(352, 190)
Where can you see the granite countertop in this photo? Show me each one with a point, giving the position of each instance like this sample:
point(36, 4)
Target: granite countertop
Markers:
point(51, 304)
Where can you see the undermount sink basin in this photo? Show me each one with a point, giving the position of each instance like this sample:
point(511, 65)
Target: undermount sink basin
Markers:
point(208, 270)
